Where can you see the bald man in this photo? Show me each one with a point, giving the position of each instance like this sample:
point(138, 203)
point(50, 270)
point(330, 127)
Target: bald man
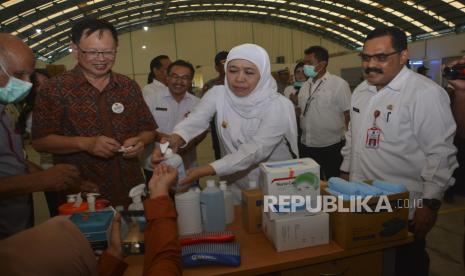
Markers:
point(18, 177)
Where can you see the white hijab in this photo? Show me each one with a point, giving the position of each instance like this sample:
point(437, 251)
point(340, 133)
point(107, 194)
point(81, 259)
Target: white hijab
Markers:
point(254, 104)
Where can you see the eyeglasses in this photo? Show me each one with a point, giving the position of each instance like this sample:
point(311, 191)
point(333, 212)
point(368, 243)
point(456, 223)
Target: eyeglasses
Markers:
point(377, 57)
point(177, 77)
point(92, 54)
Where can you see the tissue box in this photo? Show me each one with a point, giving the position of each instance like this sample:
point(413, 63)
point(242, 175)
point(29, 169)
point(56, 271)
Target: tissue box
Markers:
point(288, 233)
point(292, 177)
point(355, 229)
point(95, 226)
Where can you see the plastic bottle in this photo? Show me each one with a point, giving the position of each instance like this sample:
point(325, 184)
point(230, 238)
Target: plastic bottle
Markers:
point(252, 208)
point(136, 194)
point(91, 201)
point(228, 202)
point(212, 207)
point(175, 161)
point(188, 208)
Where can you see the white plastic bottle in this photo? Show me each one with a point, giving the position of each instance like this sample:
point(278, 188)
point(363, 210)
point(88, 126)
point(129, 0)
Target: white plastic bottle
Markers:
point(136, 194)
point(188, 209)
point(212, 207)
point(91, 201)
point(228, 202)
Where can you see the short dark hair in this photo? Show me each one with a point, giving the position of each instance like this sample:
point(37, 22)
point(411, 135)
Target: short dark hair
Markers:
point(182, 63)
point(321, 54)
point(91, 25)
point(220, 58)
point(155, 64)
point(398, 37)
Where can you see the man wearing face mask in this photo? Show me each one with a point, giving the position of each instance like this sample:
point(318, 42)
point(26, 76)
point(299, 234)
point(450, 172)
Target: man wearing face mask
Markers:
point(18, 177)
point(324, 101)
point(401, 131)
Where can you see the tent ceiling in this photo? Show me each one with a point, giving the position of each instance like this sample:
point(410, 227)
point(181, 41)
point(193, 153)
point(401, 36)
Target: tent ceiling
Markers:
point(45, 25)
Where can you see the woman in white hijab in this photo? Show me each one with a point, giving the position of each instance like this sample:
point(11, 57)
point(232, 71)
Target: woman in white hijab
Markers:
point(254, 122)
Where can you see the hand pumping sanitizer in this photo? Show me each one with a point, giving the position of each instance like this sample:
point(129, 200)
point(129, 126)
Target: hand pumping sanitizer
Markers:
point(175, 161)
point(136, 194)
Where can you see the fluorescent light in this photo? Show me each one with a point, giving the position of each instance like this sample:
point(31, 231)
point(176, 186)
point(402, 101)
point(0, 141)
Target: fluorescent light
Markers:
point(146, 28)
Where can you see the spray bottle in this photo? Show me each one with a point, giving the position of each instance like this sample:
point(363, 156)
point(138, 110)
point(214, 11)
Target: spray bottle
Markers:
point(136, 194)
point(175, 161)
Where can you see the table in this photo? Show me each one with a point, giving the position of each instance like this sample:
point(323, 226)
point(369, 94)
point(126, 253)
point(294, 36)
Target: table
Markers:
point(258, 256)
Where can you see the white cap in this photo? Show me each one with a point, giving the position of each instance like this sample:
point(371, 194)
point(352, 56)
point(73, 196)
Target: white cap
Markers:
point(91, 197)
point(252, 184)
point(210, 183)
point(71, 198)
point(223, 185)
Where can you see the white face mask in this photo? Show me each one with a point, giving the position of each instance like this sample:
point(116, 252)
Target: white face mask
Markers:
point(15, 90)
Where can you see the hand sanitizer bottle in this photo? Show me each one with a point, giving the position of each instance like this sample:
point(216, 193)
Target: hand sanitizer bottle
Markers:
point(136, 194)
point(175, 161)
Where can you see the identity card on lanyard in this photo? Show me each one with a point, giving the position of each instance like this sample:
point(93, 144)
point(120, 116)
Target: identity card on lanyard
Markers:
point(373, 133)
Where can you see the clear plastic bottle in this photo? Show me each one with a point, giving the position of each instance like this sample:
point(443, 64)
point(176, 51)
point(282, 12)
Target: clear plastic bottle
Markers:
point(212, 207)
point(175, 161)
point(228, 202)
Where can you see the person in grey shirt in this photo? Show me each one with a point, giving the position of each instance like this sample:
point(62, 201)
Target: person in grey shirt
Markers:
point(18, 177)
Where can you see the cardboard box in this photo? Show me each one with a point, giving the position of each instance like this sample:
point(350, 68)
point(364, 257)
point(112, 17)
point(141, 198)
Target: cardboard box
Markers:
point(288, 233)
point(252, 210)
point(288, 178)
point(355, 229)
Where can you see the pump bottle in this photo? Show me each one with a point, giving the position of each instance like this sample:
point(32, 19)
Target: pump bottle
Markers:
point(136, 194)
point(175, 161)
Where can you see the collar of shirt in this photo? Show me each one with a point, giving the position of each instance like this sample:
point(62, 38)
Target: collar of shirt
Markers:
point(395, 84)
point(158, 84)
point(167, 94)
point(81, 79)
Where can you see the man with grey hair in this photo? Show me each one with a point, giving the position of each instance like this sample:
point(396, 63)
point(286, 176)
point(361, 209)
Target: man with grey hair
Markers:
point(18, 177)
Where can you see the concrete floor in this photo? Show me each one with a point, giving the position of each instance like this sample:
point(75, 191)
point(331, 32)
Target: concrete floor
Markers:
point(444, 242)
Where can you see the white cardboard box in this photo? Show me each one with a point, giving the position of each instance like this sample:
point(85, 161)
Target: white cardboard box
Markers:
point(288, 178)
point(288, 233)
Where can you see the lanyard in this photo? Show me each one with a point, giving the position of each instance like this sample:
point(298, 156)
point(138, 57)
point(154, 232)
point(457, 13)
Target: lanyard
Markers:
point(311, 96)
point(10, 139)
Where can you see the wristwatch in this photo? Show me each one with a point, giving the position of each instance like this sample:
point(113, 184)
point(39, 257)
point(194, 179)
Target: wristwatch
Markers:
point(433, 204)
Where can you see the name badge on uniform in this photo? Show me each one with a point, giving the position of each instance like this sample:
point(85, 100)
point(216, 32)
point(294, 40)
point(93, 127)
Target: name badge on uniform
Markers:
point(161, 108)
point(117, 108)
point(373, 134)
point(372, 140)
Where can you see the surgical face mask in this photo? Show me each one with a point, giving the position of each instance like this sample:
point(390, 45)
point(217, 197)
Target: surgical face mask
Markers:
point(309, 71)
point(298, 84)
point(15, 90)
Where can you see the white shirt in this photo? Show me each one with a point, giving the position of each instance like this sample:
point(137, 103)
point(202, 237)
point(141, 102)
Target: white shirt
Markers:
point(326, 100)
point(167, 112)
point(253, 140)
point(153, 87)
point(417, 132)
